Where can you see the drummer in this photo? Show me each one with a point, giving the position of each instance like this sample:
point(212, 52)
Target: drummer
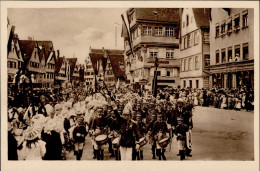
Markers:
point(114, 131)
point(99, 127)
point(110, 117)
point(159, 131)
point(142, 131)
point(149, 129)
point(79, 134)
point(180, 132)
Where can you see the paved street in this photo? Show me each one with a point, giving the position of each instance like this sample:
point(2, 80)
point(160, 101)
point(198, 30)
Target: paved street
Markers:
point(217, 135)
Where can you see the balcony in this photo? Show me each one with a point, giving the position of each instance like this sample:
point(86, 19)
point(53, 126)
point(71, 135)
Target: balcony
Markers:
point(149, 39)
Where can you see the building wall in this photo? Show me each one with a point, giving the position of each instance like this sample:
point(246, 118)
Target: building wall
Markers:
point(243, 36)
point(191, 54)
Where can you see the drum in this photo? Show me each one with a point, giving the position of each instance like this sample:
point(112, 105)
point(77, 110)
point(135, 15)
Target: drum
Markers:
point(101, 139)
point(142, 142)
point(115, 143)
point(164, 142)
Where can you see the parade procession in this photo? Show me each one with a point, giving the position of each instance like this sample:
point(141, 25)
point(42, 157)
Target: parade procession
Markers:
point(180, 88)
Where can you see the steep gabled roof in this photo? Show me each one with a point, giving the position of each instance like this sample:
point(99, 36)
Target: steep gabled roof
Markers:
point(58, 64)
point(117, 60)
point(94, 57)
point(108, 51)
point(41, 55)
point(72, 63)
point(27, 47)
point(10, 38)
point(202, 16)
point(158, 14)
point(47, 46)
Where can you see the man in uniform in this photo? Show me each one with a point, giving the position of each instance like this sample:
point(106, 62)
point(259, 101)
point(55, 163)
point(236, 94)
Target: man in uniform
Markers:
point(79, 134)
point(159, 131)
point(180, 132)
point(142, 131)
point(149, 129)
point(128, 132)
point(99, 127)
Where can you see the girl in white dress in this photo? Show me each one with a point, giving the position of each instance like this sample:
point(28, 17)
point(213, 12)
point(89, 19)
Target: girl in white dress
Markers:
point(33, 147)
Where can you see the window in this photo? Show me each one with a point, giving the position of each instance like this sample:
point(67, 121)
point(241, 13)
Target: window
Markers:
point(196, 38)
point(197, 83)
point(169, 31)
point(189, 41)
point(184, 83)
point(229, 25)
point(169, 53)
point(158, 73)
point(245, 51)
point(190, 64)
point(147, 30)
point(185, 42)
point(153, 53)
point(168, 73)
point(207, 61)
point(158, 31)
point(9, 64)
point(190, 83)
point(182, 65)
point(138, 31)
point(223, 28)
point(237, 53)
point(186, 65)
point(217, 57)
point(217, 30)
point(14, 64)
point(223, 55)
point(237, 22)
point(245, 16)
point(230, 54)
point(187, 20)
point(197, 62)
point(183, 24)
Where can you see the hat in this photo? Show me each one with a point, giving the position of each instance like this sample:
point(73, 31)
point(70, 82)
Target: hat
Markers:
point(49, 109)
point(57, 106)
point(138, 115)
point(32, 132)
point(78, 111)
point(72, 113)
point(179, 119)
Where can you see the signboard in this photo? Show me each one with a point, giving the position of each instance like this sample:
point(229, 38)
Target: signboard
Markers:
point(143, 82)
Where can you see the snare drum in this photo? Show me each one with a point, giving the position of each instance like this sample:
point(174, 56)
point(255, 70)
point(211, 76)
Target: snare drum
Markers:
point(164, 142)
point(115, 143)
point(101, 139)
point(142, 142)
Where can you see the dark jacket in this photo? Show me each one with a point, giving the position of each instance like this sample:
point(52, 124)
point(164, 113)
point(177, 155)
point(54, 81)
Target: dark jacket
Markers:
point(82, 130)
point(12, 147)
point(128, 131)
point(53, 146)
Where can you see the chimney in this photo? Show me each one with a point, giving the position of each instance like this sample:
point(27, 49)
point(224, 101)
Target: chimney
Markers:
point(29, 38)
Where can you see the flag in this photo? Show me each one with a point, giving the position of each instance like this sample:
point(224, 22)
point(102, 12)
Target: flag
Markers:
point(125, 33)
